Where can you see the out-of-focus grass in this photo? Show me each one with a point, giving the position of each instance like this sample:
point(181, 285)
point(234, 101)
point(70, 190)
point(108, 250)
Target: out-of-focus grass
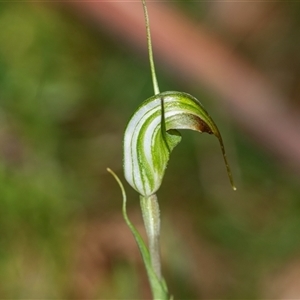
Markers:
point(66, 93)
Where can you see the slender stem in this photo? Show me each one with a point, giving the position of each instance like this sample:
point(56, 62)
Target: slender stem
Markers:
point(151, 217)
point(158, 286)
point(152, 67)
point(153, 73)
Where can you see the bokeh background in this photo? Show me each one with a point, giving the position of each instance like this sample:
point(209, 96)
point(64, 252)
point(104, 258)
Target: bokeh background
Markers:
point(71, 75)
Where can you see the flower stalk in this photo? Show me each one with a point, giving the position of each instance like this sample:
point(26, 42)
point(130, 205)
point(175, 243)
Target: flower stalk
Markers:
point(151, 217)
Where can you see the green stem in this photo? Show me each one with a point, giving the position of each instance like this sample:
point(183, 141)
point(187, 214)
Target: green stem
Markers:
point(152, 67)
point(151, 217)
point(158, 286)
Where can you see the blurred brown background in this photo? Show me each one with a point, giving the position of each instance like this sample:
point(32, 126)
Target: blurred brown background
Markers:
point(71, 75)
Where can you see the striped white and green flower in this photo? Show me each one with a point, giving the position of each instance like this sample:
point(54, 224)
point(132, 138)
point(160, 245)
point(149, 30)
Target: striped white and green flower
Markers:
point(151, 135)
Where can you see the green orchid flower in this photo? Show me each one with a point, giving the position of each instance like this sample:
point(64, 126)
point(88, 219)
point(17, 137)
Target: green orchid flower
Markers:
point(152, 133)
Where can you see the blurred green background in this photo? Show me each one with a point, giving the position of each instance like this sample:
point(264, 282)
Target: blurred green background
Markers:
point(67, 91)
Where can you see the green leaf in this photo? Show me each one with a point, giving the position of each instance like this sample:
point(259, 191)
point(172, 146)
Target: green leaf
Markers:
point(158, 287)
point(152, 133)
